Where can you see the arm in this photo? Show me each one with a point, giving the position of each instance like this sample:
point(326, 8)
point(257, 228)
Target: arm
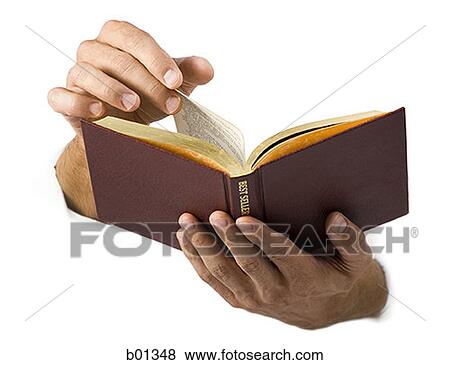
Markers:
point(268, 274)
point(73, 176)
point(123, 73)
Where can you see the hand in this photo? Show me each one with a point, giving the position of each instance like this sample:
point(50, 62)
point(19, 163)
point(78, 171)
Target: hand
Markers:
point(266, 273)
point(123, 73)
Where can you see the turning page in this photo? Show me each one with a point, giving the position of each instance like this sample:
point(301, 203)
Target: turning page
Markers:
point(195, 120)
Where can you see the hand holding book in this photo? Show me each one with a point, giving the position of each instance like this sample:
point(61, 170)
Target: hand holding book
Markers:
point(140, 175)
point(264, 272)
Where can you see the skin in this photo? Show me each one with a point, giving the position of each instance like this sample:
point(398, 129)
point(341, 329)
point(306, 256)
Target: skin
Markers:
point(264, 272)
point(125, 73)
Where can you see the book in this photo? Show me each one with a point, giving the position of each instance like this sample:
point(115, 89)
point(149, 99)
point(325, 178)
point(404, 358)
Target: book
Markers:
point(144, 178)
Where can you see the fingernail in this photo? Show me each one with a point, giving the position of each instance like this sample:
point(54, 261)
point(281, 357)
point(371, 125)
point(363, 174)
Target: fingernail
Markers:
point(218, 221)
point(184, 222)
point(95, 109)
point(172, 104)
point(171, 79)
point(339, 223)
point(128, 100)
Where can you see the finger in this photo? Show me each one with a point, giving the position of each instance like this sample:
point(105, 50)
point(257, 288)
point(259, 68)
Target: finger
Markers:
point(196, 71)
point(248, 256)
point(102, 86)
point(129, 71)
point(72, 104)
point(274, 244)
point(222, 267)
point(108, 109)
point(354, 254)
point(143, 47)
point(204, 274)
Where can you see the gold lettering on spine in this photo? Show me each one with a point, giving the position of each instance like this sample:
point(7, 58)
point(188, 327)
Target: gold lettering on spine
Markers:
point(244, 199)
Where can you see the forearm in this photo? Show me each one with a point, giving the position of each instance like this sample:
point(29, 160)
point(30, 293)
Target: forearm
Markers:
point(73, 176)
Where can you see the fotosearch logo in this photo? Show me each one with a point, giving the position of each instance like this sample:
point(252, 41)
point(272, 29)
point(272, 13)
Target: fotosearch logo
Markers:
point(85, 234)
point(88, 233)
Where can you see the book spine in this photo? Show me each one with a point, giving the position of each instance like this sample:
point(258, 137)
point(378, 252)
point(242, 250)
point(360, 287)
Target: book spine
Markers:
point(245, 195)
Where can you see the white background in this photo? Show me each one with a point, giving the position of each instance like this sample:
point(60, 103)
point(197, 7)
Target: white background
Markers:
point(273, 61)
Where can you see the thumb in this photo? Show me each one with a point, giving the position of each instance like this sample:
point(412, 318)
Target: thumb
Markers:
point(196, 71)
point(352, 251)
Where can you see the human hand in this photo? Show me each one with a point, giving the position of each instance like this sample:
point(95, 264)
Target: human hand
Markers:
point(284, 282)
point(125, 73)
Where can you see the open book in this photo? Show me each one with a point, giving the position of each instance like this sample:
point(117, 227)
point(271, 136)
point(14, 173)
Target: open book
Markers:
point(145, 175)
point(209, 139)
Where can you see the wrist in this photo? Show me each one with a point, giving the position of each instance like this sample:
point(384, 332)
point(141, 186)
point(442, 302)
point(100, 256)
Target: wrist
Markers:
point(368, 295)
point(73, 176)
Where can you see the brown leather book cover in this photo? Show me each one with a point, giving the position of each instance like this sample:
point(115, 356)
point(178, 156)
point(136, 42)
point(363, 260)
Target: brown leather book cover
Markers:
point(361, 172)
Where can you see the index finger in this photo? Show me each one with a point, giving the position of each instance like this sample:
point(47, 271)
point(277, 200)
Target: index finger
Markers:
point(143, 47)
point(263, 272)
point(223, 267)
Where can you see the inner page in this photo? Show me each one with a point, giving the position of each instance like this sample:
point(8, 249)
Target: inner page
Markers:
point(275, 146)
point(195, 120)
point(189, 147)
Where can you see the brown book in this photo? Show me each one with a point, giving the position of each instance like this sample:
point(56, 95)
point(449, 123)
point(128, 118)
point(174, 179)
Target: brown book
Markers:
point(143, 177)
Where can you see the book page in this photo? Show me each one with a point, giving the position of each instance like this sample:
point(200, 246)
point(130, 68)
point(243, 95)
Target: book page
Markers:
point(195, 120)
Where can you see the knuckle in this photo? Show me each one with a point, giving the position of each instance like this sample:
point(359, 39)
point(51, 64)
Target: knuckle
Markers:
point(206, 276)
point(84, 47)
point(124, 63)
point(199, 239)
point(108, 92)
point(72, 107)
point(110, 25)
point(126, 25)
point(220, 272)
point(271, 295)
point(233, 303)
point(77, 74)
point(232, 300)
point(137, 40)
point(248, 301)
point(158, 92)
point(251, 266)
point(73, 75)
point(158, 62)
